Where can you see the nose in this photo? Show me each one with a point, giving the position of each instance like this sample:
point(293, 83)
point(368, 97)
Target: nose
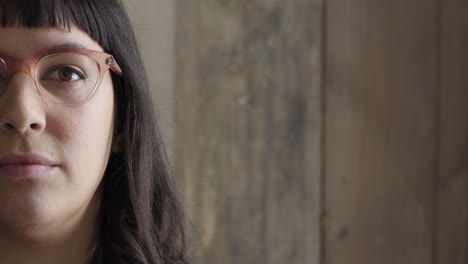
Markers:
point(21, 107)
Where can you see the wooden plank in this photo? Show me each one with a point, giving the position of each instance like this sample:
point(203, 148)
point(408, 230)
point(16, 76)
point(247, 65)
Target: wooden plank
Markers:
point(203, 127)
point(248, 128)
point(452, 193)
point(284, 58)
point(381, 137)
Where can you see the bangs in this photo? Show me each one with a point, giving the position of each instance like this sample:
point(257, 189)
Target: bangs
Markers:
point(36, 13)
point(102, 20)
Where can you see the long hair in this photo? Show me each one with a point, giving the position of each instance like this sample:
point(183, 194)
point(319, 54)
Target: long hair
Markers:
point(141, 217)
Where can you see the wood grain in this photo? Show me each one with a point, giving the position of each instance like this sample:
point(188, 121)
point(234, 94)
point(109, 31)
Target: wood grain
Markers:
point(452, 188)
point(381, 139)
point(248, 90)
point(256, 128)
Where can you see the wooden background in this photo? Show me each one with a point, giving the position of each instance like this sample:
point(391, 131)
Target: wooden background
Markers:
point(248, 93)
point(396, 132)
point(154, 25)
point(316, 131)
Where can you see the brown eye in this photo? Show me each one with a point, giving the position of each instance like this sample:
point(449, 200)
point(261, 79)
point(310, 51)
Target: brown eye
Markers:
point(65, 74)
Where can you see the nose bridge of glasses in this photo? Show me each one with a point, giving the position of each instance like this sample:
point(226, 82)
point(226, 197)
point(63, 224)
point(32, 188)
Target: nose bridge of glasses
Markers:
point(16, 65)
point(15, 69)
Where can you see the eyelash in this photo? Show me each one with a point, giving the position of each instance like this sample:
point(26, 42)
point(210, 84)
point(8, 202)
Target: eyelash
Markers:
point(73, 70)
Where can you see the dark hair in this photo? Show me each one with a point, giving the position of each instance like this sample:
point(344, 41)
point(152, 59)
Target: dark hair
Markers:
point(141, 216)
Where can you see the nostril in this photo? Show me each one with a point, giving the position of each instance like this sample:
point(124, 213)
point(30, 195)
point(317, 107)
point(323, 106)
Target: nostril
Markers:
point(34, 126)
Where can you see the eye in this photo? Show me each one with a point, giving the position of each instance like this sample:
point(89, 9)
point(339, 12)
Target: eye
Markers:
point(65, 74)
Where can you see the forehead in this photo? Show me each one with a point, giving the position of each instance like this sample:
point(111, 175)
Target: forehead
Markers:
point(23, 42)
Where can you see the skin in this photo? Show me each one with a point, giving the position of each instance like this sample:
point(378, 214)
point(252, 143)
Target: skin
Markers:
point(52, 218)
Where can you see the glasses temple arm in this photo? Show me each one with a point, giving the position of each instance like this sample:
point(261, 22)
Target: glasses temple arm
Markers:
point(115, 67)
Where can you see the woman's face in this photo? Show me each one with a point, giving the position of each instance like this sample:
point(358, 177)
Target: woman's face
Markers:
point(76, 139)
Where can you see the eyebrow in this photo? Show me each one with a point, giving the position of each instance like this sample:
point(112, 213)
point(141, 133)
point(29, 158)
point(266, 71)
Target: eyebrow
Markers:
point(67, 45)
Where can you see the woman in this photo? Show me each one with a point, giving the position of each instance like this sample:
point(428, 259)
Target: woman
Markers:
point(83, 174)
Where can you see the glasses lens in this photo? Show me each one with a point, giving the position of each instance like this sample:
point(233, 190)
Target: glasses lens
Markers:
point(67, 78)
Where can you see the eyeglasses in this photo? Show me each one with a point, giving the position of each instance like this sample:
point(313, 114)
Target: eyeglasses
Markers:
point(64, 76)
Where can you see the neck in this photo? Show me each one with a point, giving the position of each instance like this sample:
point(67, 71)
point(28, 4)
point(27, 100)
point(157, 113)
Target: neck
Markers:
point(70, 241)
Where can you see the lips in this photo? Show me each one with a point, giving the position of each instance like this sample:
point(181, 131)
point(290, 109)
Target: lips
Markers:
point(25, 166)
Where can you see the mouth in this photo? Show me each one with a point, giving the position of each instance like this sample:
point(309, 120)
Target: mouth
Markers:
point(25, 166)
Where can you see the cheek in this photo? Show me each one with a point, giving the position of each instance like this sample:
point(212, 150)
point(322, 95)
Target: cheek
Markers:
point(79, 139)
point(83, 135)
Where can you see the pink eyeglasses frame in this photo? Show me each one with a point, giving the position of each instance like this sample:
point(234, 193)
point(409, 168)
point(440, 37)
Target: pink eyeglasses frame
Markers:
point(28, 65)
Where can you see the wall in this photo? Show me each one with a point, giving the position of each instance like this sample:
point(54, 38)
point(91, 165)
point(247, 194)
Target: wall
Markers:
point(316, 131)
point(248, 118)
point(154, 24)
point(396, 132)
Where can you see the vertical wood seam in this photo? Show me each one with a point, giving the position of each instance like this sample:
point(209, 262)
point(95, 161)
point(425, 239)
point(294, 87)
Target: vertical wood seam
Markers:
point(464, 50)
point(437, 129)
point(323, 129)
